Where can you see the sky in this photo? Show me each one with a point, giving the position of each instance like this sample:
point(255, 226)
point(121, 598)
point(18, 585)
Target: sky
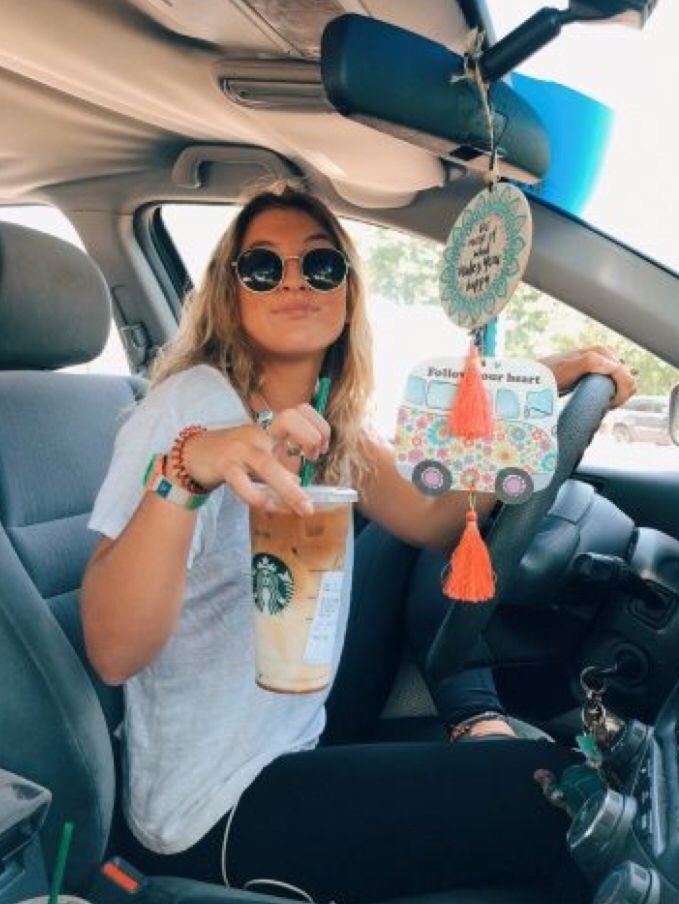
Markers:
point(636, 73)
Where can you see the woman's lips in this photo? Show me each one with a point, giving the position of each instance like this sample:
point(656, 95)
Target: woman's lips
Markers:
point(295, 310)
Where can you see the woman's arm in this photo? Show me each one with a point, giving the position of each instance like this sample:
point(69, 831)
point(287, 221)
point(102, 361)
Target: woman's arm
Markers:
point(400, 508)
point(133, 587)
point(569, 367)
point(404, 511)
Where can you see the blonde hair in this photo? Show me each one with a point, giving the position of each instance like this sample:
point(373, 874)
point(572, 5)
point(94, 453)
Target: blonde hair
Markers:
point(211, 333)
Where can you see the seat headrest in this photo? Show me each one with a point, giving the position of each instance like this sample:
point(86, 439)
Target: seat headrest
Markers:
point(55, 308)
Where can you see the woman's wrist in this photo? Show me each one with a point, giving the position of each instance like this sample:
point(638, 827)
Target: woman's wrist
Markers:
point(196, 462)
point(157, 481)
point(176, 458)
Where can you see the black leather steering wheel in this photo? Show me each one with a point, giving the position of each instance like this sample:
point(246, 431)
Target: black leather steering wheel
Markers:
point(515, 525)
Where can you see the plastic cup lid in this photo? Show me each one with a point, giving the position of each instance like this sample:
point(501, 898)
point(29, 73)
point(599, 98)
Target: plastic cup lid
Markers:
point(322, 495)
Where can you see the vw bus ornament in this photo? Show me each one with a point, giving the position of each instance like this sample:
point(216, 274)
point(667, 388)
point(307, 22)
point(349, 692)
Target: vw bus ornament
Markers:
point(517, 460)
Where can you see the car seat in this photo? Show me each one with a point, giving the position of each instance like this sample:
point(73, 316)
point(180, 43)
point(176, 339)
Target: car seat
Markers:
point(56, 436)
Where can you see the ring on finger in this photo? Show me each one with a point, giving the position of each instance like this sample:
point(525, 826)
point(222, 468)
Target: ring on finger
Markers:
point(292, 449)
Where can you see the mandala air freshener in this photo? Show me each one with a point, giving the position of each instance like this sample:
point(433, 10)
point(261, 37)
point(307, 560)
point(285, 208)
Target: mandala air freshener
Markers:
point(485, 255)
point(484, 260)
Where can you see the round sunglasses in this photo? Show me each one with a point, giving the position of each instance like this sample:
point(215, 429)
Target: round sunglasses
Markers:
point(262, 270)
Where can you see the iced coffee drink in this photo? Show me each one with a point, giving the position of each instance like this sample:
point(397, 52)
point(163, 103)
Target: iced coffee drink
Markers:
point(297, 572)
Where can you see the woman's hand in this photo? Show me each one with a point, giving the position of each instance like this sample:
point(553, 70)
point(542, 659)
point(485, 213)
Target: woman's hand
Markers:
point(242, 456)
point(569, 367)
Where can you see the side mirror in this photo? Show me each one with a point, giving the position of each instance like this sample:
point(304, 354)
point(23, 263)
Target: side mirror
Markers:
point(674, 414)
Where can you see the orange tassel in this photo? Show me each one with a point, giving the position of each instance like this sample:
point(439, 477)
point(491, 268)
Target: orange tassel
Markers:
point(470, 578)
point(471, 416)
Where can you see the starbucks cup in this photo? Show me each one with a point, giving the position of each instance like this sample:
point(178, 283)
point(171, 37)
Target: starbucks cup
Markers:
point(297, 573)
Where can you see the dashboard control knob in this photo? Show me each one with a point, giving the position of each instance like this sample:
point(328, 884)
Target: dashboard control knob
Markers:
point(629, 883)
point(599, 829)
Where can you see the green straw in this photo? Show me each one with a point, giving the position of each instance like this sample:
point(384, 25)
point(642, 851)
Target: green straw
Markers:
point(60, 866)
point(319, 403)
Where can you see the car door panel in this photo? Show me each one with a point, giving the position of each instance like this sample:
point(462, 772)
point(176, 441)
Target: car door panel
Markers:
point(650, 499)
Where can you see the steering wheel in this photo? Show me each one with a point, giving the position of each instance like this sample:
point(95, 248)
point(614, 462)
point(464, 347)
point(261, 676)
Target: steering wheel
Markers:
point(515, 526)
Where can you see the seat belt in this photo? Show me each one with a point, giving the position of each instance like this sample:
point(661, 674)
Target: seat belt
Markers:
point(138, 347)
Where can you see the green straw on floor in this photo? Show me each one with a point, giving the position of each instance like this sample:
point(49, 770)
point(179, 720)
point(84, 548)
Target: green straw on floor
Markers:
point(60, 865)
point(319, 403)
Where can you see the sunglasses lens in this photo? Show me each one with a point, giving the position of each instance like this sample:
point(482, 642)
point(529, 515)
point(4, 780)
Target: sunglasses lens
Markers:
point(260, 270)
point(324, 269)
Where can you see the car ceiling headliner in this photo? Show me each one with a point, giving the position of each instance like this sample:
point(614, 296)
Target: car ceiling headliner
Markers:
point(92, 88)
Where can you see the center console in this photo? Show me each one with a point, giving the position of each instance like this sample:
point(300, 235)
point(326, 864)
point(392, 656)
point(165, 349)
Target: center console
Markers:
point(23, 807)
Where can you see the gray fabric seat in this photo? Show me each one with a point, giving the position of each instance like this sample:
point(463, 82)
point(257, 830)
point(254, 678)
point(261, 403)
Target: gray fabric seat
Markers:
point(56, 436)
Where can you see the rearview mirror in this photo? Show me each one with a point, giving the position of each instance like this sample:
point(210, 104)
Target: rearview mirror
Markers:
point(674, 414)
point(413, 88)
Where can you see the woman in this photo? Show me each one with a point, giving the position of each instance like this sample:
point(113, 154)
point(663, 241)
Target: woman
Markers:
point(221, 777)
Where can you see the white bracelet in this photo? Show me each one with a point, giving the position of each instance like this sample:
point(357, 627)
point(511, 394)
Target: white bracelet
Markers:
point(155, 481)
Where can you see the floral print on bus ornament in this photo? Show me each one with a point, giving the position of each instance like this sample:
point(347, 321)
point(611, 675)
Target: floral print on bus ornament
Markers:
point(473, 464)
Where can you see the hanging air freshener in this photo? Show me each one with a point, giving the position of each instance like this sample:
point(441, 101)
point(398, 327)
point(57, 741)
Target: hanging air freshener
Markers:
point(518, 457)
point(485, 256)
point(480, 424)
point(488, 247)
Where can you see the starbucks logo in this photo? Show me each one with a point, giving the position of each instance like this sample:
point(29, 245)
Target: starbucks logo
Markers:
point(272, 584)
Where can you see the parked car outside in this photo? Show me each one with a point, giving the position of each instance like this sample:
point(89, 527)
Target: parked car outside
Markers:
point(643, 419)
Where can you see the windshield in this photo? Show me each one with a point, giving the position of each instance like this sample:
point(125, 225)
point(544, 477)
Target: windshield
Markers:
point(625, 181)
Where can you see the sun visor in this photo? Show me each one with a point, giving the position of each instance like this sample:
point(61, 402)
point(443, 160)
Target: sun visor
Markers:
point(404, 84)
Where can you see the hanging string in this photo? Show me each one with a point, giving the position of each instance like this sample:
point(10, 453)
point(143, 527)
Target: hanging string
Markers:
point(469, 577)
point(472, 73)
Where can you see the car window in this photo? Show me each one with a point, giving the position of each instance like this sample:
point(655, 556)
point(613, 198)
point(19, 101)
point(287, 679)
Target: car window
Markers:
point(634, 437)
point(409, 325)
point(112, 359)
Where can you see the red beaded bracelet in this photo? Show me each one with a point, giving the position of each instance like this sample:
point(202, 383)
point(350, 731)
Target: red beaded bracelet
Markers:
point(181, 475)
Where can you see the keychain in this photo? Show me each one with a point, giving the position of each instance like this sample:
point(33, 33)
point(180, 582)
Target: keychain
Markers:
point(600, 728)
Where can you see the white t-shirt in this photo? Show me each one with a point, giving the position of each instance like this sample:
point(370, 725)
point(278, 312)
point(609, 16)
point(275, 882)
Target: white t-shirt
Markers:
point(197, 728)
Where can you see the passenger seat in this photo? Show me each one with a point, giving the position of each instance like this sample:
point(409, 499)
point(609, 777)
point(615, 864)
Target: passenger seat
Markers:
point(56, 437)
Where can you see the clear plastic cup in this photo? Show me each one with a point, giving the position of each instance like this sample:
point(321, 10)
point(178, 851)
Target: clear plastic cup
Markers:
point(297, 574)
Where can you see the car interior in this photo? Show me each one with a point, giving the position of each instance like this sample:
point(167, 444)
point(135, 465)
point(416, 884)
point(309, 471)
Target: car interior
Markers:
point(113, 110)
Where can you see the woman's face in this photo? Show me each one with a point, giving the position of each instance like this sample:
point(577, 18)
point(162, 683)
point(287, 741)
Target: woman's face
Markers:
point(293, 321)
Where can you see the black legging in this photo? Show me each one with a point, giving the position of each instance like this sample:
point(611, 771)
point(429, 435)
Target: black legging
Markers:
point(358, 822)
point(396, 601)
point(367, 822)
